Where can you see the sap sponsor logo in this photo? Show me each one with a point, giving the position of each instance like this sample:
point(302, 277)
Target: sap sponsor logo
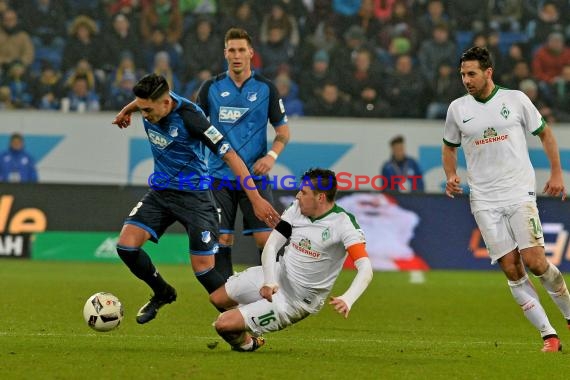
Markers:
point(158, 140)
point(213, 134)
point(231, 114)
point(14, 245)
point(23, 221)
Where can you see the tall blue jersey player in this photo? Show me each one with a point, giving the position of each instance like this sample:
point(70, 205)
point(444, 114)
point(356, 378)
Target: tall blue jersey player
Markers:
point(179, 133)
point(239, 103)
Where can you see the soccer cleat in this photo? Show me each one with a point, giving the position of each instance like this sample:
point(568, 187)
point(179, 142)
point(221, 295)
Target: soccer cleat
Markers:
point(552, 345)
point(148, 312)
point(258, 341)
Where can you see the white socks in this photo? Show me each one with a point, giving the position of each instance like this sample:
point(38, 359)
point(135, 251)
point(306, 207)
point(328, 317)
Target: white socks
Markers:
point(554, 283)
point(524, 293)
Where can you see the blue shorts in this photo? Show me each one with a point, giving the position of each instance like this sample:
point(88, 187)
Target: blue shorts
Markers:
point(195, 210)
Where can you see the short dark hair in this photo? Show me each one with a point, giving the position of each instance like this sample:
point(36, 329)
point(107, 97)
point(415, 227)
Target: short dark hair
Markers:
point(397, 140)
point(151, 86)
point(479, 54)
point(16, 136)
point(323, 180)
point(237, 34)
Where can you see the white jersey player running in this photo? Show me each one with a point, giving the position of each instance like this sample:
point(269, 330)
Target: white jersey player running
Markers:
point(278, 294)
point(491, 124)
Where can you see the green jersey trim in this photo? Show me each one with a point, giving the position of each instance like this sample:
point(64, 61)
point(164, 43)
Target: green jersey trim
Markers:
point(541, 128)
point(485, 100)
point(451, 144)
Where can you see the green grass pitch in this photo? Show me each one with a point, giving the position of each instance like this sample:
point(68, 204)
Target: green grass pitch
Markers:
point(457, 325)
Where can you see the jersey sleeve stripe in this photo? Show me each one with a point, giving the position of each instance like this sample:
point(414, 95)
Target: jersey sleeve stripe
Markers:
point(448, 143)
point(357, 251)
point(541, 128)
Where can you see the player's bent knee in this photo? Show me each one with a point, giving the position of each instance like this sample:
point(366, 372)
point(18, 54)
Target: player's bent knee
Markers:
point(226, 239)
point(229, 322)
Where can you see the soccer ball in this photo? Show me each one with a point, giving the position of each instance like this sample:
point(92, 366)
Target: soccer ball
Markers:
point(103, 311)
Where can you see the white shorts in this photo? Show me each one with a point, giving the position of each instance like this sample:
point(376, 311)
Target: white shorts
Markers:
point(260, 315)
point(510, 227)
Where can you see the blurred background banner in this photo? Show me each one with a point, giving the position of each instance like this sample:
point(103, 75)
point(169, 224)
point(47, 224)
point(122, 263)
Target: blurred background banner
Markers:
point(404, 231)
point(87, 149)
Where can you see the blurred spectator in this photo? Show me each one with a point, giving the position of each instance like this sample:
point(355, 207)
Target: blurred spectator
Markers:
point(126, 7)
point(343, 54)
point(288, 91)
point(192, 86)
point(279, 17)
point(6, 98)
point(45, 22)
point(494, 47)
point(164, 15)
point(440, 48)
point(468, 15)
point(120, 91)
point(325, 38)
point(384, 10)
point(531, 89)
point(47, 89)
point(192, 10)
point(244, 17)
point(505, 15)
point(561, 93)
point(443, 90)
point(520, 72)
point(434, 15)
point(367, 20)
point(364, 73)
point(549, 59)
point(517, 52)
point(369, 103)
point(83, 43)
point(547, 22)
point(406, 89)
point(202, 48)
point(401, 165)
point(345, 9)
point(400, 24)
point(17, 165)
point(15, 43)
point(155, 45)
point(162, 67)
point(277, 53)
point(312, 81)
point(120, 39)
point(81, 98)
point(83, 69)
point(330, 102)
point(18, 82)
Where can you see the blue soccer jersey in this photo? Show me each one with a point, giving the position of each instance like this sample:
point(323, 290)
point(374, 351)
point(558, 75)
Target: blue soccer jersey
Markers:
point(178, 145)
point(241, 115)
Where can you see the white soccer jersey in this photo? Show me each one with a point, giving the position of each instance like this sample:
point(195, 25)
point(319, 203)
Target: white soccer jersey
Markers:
point(492, 133)
point(315, 253)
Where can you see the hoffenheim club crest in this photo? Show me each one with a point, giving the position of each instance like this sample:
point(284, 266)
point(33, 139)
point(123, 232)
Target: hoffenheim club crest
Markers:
point(252, 96)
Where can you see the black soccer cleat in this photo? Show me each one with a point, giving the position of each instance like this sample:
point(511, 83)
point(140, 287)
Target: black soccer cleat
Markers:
point(148, 312)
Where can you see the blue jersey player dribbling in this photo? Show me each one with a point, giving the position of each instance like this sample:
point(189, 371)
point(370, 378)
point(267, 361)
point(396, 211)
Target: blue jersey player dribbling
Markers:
point(178, 134)
point(239, 103)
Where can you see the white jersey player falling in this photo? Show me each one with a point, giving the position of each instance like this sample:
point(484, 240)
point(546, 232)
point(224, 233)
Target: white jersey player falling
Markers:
point(315, 254)
point(492, 132)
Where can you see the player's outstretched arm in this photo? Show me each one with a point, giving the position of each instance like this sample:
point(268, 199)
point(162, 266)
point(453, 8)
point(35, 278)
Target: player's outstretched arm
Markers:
point(276, 240)
point(262, 208)
point(555, 184)
point(123, 118)
point(343, 303)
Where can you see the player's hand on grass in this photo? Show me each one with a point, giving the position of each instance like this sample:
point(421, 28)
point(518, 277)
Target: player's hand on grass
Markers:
point(263, 165)
point(555, 187)
point(453, 186)
point(268, 290)
point(265, 212)
point(340, 306)
point(122, 120)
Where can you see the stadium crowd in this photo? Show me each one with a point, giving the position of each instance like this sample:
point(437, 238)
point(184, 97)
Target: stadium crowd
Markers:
point(359, 58)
